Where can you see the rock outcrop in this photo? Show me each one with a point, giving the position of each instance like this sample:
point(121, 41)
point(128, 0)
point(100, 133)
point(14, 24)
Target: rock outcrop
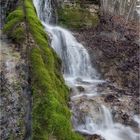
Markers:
point(15, 94)
point(15, 97)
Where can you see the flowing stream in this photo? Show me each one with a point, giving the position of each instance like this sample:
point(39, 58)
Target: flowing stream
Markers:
point(89, 117)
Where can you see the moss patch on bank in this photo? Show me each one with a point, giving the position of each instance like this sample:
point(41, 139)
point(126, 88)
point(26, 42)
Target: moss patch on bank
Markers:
point(76, 17)
point(14, 26)
point(50, 113)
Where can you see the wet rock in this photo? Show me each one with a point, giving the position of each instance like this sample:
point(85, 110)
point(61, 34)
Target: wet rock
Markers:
point(95, 137)
point(80, 88)
point(79, 80)
point(84, 108)
point(3, 120)
point(125, 117)
point(110, 98)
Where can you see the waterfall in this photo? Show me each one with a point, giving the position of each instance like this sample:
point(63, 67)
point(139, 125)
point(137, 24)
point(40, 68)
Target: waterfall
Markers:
point(46, 8)
point(107, 128)
point(137, 120)
point(88, 117)
point(107, 117)
point(75, 58)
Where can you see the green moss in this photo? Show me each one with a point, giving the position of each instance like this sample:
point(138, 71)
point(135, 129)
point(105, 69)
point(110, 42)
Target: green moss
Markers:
point(35, 25)
point(13, 19)
point(76, 17)
point(18, 34)
point(18, 13)
point(50, 113)
point(13, 26)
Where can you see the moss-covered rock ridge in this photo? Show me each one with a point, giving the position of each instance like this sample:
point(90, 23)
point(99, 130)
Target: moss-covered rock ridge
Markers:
point(51, 118)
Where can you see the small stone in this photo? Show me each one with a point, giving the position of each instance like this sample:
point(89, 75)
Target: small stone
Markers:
point(109, 98)
point(80, 88)
point(96, 137)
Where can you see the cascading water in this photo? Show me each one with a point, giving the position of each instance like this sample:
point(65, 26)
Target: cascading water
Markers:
point(75, 64)
point(88, 117)
point(107, 128)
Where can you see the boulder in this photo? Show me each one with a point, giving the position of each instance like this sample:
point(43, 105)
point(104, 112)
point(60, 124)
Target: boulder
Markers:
point(80, 88)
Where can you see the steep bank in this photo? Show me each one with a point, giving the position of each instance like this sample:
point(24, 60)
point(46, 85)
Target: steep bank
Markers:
point(50, 113)
point(15, 89)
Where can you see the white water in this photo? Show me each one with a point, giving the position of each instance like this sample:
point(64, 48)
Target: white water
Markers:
point(75, 64)
point(137, 119)
point(78, 72)
point(108, 129)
